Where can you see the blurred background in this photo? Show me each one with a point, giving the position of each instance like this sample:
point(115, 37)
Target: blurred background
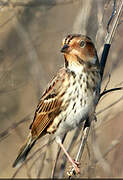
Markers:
point(30, 40)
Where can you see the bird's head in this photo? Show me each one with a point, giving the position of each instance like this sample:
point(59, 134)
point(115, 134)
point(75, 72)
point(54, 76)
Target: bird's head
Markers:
point(78, 50)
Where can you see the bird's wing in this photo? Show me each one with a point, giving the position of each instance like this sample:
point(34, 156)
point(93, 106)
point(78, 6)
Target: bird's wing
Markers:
point(49, 105)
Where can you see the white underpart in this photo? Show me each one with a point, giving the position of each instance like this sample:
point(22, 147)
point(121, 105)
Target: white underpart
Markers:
point(76, 68)
point(81, 110)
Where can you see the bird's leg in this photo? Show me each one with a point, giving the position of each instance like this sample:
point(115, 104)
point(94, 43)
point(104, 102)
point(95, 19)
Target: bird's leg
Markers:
point(74, 163)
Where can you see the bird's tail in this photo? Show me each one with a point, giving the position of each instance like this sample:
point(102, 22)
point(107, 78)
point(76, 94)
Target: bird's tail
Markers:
point(24, 151)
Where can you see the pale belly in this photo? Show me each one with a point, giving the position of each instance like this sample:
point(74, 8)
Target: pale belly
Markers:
point(76, 113)
point(80, 102)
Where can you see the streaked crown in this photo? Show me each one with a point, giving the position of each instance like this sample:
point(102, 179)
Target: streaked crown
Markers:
point(79, 48)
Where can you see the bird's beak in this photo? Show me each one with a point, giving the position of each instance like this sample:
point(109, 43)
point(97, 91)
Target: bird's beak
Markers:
point(65, 48)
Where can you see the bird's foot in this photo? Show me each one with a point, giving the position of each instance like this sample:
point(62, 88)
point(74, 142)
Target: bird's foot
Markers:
point(74, 169)
point(76, 166)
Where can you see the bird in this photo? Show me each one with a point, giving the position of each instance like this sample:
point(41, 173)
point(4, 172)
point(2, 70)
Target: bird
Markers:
point(70, 97)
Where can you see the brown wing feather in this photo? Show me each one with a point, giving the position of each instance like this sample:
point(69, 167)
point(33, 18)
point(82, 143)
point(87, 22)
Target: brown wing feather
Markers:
point(43, 117)
point(49, 106)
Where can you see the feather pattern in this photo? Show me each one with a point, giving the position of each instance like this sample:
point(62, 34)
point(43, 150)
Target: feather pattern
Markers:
point(49, 105)
point(70, 97)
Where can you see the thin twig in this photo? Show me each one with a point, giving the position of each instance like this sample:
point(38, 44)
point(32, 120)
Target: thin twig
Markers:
point(110, 90)
point(33, 164)
point(55, 163)
point(40, 168)
point(97, 153)
point(5, 133)
point(109, 78)
point(38, 150)
point(111, 34)
point(119, 84)
point(113, 144)
point(105, 53)
point(81, 149)
point(73, 140)
point(111, 147)
point(112, 15)
point(85, 136)
point(6, 22)
point(110, 105)
point(109, 38)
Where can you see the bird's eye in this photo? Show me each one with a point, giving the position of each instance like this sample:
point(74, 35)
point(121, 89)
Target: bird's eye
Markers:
point(82, 43)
